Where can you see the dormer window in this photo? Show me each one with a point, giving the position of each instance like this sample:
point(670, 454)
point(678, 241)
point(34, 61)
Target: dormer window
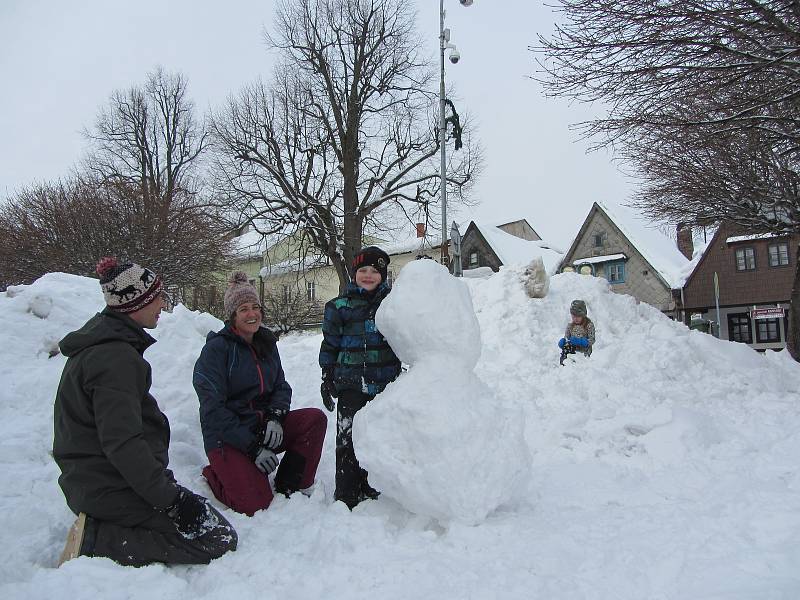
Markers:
point(598, 239)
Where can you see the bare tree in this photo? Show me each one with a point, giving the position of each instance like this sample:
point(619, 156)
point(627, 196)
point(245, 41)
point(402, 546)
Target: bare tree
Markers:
point(147, 148)
point(67, 226)
point(736, 59)
point(342, 140)
point(289, 309)
point(702, 100)
point(138, 195)
point(46, 228)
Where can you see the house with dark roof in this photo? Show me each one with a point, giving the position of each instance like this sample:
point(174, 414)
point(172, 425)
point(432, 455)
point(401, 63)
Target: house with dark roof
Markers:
point(632, 254)
point(754, 276)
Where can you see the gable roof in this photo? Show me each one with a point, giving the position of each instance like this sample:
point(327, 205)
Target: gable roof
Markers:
point(512, 250)
point(656, 248)
point(523, 223)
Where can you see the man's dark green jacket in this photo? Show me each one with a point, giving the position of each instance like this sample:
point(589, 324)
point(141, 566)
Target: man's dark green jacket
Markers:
point(110, 438)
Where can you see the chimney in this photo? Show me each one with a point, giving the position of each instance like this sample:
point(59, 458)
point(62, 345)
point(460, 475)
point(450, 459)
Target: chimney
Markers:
point(684, 240)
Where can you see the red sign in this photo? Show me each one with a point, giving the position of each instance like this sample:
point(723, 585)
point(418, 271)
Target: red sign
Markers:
point(767, 313)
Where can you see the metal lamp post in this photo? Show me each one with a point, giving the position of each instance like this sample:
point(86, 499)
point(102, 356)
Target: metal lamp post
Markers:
point(444, 44)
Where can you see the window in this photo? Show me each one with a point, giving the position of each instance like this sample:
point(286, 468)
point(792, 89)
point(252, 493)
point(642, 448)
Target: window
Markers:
point(598, 238)
point(739, 328)
point(286, 294)
point(745, 259)
point(779, 255)
point(615, 272)
point(473, 260)
point(767, 330)
point(311, 291)
point(389, 278)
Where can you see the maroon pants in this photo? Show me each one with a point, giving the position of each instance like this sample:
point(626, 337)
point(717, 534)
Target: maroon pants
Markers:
point(237, 482)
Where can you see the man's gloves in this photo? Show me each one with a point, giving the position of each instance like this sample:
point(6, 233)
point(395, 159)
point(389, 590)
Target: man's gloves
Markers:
point(579, 342)
point(191, 514)
point(328, 389)
point(266, 460)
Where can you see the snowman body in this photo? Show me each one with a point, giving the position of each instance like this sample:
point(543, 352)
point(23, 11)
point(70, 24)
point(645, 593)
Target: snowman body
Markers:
point(436, 440)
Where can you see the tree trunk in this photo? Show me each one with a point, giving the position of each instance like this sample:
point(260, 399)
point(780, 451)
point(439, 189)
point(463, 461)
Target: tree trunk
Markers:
point(352, 233)
point(793, 334)
point(341, 271)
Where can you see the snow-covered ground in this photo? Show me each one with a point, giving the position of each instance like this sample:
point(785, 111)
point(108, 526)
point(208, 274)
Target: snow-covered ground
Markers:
point(666, 466)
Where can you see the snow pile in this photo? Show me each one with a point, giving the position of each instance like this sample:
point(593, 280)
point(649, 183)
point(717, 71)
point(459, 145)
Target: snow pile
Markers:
point(412, 437)
point(666, 466)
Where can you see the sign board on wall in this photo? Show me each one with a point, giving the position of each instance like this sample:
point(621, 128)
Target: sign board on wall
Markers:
point(767, 313)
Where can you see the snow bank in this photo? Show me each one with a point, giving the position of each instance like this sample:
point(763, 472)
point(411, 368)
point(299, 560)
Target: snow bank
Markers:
point(666, 466)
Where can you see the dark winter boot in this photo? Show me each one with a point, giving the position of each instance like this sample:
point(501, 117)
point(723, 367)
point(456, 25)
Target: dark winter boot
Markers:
point(290, 473)
point(367, 490)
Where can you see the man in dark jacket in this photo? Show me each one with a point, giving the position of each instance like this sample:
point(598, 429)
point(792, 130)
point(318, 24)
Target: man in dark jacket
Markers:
point(111, 440)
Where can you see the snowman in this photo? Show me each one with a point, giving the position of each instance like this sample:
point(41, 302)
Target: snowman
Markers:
point(436, 440)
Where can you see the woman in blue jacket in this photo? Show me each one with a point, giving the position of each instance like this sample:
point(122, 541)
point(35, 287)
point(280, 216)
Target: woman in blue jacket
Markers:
point(244, 410)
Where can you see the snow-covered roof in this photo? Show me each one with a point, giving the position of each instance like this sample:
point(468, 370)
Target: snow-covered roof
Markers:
point(293, 265)
point(658, 249)
point(748, 238)
point(412, 244)
point(512, 250)
point(594, 260)
point(251, 244)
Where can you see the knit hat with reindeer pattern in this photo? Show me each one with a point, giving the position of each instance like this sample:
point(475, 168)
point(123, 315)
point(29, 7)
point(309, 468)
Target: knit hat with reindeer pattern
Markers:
point(127, 287)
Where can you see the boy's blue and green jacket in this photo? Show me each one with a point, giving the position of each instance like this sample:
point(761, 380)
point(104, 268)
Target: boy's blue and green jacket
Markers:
point(360, 356)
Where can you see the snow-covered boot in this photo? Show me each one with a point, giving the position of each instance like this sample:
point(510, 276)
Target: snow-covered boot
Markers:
point(366, 489)
point(75, 535)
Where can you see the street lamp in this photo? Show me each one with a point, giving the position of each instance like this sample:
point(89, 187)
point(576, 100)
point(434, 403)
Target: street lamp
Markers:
point(444, 44)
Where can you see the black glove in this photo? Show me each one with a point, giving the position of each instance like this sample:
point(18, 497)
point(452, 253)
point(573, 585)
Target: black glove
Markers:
point(191, 514)
point(327, 397)
point(328, 389)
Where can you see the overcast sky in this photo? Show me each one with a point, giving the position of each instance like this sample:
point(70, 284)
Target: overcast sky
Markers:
point(61, 59)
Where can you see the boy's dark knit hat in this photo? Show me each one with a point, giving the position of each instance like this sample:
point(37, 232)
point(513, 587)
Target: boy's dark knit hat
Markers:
point(371, 256)
point(127, 287)
point(578, 308)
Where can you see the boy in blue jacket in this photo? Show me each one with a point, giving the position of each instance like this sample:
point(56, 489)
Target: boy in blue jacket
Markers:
point(357, 364)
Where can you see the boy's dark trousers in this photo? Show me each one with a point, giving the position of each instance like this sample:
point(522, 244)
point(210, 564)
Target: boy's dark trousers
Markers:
point(351, 479)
